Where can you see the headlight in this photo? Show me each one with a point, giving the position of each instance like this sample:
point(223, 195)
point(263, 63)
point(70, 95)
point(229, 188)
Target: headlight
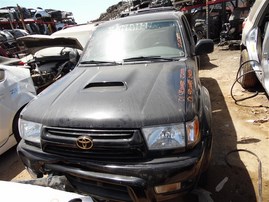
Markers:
point(30, 131)
point(172, 136)
point(165, 137)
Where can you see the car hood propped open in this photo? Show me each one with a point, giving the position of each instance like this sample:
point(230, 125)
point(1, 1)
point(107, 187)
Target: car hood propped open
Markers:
point(34, 43)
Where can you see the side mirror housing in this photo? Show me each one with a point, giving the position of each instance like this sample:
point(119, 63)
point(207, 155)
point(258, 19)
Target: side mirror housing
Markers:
point(204, 46)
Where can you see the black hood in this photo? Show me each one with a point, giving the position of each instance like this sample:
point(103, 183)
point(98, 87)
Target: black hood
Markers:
point(125, 96)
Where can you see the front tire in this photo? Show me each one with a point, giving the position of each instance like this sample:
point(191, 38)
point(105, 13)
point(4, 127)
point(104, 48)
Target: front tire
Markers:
point(246, 74)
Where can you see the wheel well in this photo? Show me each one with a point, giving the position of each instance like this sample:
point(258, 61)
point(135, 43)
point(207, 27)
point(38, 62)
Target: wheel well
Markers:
point(15, 127)
point(206, 110)
point(245, 74)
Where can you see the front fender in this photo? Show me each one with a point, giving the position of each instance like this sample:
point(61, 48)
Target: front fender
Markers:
point(206, 111)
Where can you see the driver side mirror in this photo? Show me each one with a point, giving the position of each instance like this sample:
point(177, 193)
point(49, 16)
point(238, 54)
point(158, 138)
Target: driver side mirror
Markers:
point(204, 46)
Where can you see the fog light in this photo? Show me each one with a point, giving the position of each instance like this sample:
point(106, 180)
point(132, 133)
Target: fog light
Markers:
point(167, 188)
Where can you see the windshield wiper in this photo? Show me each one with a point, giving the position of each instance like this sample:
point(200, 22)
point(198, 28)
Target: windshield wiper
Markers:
point(148, 58)
point(100, 62)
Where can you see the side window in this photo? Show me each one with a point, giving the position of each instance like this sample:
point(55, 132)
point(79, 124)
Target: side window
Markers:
point(189, 33)
point(2, 75)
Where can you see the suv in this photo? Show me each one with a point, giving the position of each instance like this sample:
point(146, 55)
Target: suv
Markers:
point(132, 121)
point(254, 66)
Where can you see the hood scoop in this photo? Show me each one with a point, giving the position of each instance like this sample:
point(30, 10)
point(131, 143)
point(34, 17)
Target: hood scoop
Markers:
point(106, 86)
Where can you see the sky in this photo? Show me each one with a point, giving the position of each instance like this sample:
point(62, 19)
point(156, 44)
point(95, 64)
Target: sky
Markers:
point(83, 10)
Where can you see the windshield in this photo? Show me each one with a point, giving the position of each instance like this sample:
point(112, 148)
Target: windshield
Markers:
point(136, 40)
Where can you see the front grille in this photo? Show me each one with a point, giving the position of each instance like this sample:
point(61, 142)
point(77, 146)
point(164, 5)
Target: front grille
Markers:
point(112, 145)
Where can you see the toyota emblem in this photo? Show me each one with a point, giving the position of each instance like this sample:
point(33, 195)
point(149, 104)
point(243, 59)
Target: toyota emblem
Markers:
point(84, 142)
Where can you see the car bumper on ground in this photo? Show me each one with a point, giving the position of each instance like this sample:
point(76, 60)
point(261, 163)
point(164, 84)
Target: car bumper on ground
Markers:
point(158, 179)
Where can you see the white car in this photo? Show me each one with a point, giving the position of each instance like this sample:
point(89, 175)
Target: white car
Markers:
point(16, 90)
point(52, 57)
point(254, 62)
point(81, 32)
point(33, 193)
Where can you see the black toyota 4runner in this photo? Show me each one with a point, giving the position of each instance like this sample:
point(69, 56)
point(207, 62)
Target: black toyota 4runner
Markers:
point(132, 121)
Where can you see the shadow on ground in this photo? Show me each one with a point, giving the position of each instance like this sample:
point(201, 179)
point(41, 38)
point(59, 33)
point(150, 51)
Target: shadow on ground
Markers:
point(205, 64)
point(10, 165)
point(239, 186)
point(225, 183)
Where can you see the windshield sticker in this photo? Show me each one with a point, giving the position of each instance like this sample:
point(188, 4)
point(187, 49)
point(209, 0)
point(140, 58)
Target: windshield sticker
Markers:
point(144, 26)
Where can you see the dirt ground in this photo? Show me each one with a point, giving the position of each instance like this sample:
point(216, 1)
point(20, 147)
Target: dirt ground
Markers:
point(241, 132)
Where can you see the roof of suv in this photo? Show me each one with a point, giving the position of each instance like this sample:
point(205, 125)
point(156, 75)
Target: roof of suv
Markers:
point(146, 16)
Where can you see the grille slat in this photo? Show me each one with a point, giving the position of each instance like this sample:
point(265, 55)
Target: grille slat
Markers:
point(109, 145)
point(94, 134)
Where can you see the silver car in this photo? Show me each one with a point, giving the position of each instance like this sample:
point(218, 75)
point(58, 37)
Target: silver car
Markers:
point(254, 63)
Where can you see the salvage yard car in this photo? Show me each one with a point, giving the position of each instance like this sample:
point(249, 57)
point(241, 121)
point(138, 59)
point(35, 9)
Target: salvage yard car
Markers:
point(52, 57)
point(16, 90)
point(49, 58)
point(132, 121)
point(254, 63)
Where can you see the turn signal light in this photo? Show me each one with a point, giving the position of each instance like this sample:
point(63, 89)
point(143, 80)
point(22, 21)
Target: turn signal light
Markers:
point(167, 188)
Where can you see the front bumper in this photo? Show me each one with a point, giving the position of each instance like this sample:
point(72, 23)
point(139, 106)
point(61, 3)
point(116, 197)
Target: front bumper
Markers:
point(123, 181)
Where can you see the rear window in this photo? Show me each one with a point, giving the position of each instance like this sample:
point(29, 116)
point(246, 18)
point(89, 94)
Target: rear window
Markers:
point(115, 43)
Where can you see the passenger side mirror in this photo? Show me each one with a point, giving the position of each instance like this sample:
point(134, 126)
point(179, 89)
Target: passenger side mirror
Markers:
point(204, 46)
point(74, 56)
